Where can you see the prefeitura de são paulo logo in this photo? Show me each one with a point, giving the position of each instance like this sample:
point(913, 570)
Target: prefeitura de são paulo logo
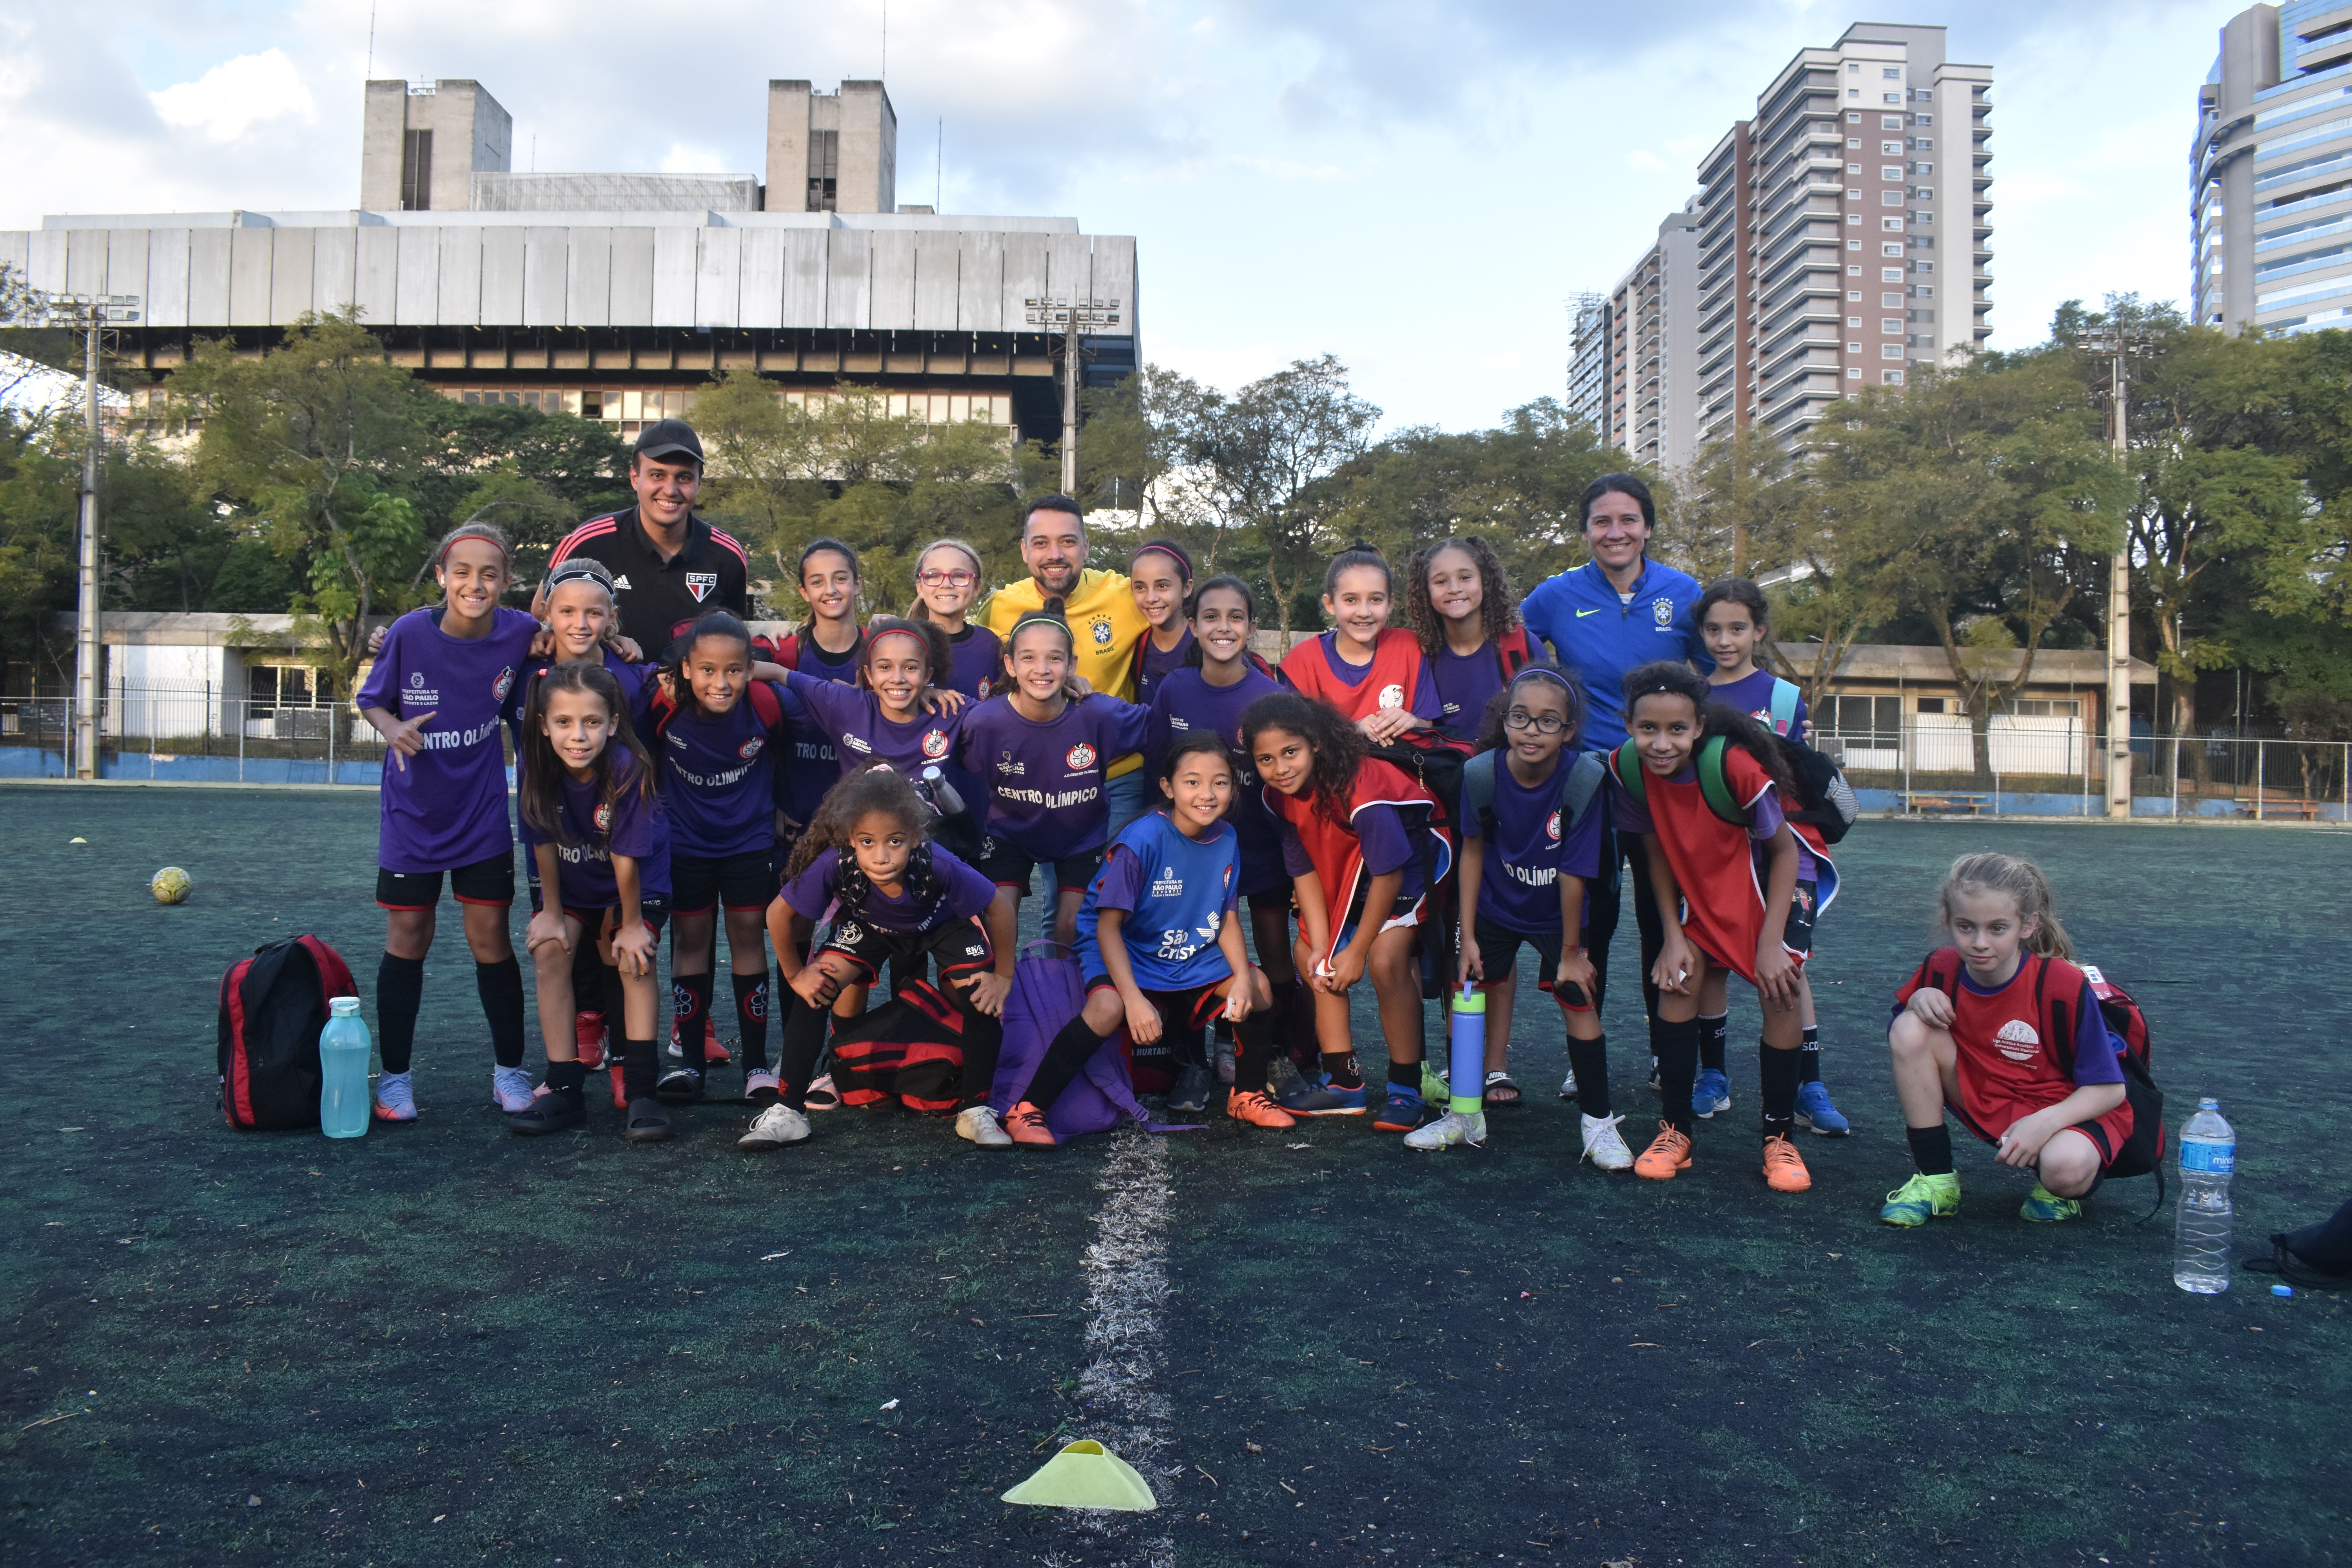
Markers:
point(1081, 757)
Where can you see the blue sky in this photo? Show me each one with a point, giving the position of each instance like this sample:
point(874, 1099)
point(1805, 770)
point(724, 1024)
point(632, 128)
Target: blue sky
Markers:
point(1416, 187)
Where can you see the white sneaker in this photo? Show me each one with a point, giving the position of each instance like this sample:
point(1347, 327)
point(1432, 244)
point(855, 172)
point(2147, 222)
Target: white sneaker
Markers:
point(510, 1090)
point(1568, 1085)
point(977, 1124)
point(775, 1127)
point(1603, 1145)
point(1449, 1129)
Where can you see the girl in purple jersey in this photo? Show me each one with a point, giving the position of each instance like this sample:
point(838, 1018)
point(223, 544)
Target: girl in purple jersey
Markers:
point(716, 731)
point(591, 817)
point(829, 646)
point(1160, 575)
point(896, 715)
point(947, 585)
point(1212, 695)
point(1459, 604)
point(1734, 620)
point(1041, 754)
point(438, 695)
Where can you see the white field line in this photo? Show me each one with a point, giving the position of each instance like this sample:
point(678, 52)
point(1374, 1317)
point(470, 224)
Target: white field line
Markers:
point(1122, 1405)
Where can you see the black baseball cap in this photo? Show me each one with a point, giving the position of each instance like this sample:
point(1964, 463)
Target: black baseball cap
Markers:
point(669, 438)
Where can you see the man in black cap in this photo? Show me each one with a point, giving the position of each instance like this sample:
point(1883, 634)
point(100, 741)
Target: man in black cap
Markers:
point(668, 566)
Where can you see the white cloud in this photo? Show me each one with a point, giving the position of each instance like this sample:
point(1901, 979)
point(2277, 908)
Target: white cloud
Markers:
point(236, 95)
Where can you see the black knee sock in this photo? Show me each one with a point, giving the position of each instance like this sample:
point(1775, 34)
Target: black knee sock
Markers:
point(587, 977)
point(1588, 1059)
point(984, 1041)
point(1340, 1067)
point(1255, 1037)
point(1931, 1148)
point(1810, 1069)
point(1675, 1046)
point(689, 1005)
point(399, 992)
point(1065, 1060)
point(1778, 1069)
point(1185, 1050)
point(800, 1042)
point(752, 1017)
point(1714, 1034)
point(500, 987)
point(1406, 1076)
point(637, 1072)
point(566, 1078)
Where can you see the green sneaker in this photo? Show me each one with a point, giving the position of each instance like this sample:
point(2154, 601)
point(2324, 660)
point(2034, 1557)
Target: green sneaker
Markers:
point(1921, 1198)
point(2043, 1206)
point(1434, 1088)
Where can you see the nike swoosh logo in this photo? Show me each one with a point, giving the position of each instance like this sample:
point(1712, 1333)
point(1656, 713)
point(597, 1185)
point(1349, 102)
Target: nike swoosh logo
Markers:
point(1582, 613)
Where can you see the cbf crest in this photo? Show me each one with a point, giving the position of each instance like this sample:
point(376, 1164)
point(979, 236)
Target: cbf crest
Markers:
point(1102, 631)
point(1663, 612)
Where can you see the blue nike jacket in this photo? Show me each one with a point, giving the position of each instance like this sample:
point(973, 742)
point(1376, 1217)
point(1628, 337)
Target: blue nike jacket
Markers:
point(1601, 637)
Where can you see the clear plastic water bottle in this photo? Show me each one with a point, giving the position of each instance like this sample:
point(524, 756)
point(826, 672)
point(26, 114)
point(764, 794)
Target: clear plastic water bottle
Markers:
point(2209, 1154)
point(343, 1050)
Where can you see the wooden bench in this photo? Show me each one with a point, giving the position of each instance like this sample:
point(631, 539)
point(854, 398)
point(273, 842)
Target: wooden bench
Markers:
point(2300, 810)
point(1971, 802)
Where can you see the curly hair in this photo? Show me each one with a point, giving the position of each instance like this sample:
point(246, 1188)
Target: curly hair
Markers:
point(1671, 678)
point(876, 787)
point(1338, 746)
point(1551, 677)
point(935, 650)
point(1498, 607)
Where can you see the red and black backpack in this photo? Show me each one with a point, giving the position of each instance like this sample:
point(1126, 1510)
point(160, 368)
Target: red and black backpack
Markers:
point(272, 1008)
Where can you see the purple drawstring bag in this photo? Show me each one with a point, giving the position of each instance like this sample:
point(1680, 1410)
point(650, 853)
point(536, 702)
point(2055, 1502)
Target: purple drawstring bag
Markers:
point(1047, 992)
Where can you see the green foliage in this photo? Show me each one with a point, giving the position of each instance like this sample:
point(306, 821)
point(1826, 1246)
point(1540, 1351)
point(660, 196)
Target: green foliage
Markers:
point(535, 475)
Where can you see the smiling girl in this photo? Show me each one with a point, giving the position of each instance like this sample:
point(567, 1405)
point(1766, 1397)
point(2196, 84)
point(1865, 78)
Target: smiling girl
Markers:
point(1161, 577)
point(947, 585)
point(828, 646)
point(1735, 892)
point(591, 820)
point(1461, 610)
point(1372, 672)
point(437, 694)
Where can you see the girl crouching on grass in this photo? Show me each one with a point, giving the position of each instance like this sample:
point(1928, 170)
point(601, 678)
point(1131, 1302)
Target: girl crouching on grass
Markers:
point(1700, 785)
point(2002, 1028)
point(897, 898)
point(1527, 859)
point(1159, 941)
point(1355, 834)
point(592, 818)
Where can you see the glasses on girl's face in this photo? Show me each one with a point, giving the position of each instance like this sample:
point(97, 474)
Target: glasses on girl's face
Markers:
point(1541, 723)
point(937, 579)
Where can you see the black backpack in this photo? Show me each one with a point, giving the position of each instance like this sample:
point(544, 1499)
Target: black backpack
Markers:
point(273, 1006)
point(1580, 784)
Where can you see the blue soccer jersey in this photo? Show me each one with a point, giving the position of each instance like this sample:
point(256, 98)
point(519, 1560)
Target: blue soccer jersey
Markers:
point(1176, 893)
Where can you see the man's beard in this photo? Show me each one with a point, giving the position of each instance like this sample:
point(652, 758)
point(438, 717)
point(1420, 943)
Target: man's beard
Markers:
point(1061, 580)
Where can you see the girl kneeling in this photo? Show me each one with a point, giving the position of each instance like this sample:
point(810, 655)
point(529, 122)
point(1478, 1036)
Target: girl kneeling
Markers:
point(1159, 941)
point(1974, 1029)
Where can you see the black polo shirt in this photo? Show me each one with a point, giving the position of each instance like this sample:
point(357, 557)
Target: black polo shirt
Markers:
point(658, 599)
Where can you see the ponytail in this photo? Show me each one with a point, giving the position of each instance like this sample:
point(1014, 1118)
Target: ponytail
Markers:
point(2018, 878)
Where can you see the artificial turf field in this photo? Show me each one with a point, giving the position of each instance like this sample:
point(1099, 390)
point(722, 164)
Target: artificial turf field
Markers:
point(442, 1343)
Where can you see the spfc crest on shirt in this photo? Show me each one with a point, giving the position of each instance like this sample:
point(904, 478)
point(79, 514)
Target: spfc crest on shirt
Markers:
point(701, 584)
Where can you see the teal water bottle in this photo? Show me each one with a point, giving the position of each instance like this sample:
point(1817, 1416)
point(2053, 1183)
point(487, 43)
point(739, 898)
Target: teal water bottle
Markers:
point(1465, 1059)
point(343, 1050)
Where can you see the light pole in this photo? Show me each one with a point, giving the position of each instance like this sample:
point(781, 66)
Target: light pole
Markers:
point(2117, 341)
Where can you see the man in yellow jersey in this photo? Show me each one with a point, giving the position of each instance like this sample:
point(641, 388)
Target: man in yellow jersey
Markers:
point(1105, 622)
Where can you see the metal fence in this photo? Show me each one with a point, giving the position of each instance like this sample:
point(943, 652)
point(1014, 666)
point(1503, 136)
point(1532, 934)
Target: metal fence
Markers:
point(193, 735)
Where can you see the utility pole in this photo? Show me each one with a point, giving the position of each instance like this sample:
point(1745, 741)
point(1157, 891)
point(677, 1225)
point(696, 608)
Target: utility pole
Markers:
point(2117, 341)
point(1070, 371)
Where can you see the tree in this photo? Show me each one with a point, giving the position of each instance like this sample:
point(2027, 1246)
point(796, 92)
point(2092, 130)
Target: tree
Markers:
point(317, 439)
point(1981, 494)
point(535, 475)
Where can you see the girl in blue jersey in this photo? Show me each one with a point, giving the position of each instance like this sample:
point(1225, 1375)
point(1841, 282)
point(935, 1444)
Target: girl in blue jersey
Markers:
point(1159, 575)
point(1734, 619)
point(438, 695)
point(1160, 941)
point(1527, 859)
point(591, 819)
point(947, 585)
point(1040, 753)
point(1209, 697)
point(1458, 602)
point(715, 731)
point(897, 898)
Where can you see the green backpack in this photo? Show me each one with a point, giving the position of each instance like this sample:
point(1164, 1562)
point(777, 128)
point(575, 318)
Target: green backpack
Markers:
point(1627, 765)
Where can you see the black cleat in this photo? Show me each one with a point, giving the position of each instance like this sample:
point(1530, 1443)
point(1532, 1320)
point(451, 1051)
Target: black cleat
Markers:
point(1193, 1087)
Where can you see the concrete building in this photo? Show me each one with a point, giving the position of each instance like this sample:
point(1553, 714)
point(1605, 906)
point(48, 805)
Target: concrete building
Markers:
point(1652, 369)
point(1844, 233)
point(1588, 362)
point(2270, 172)
point(617, 297)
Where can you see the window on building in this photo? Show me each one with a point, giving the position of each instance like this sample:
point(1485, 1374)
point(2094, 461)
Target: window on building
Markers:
point(1890, 97)
point(1890, 351)
point(1890, 301)
point(1923, 168)
point(1855, 169)
point(1872, 723)
point(416, 171)
point(1891, 224)
point(1855, 321)
point(1924, 267)
point(1854, 119)
point(1890, 275)
point(288, 686)
point(1854, 373)
point(1924, 144)
point(1924, 119)
point(1890, 172)
point(1853, 141)
point(1890, 122)
point(1890, 378)
point(1853, 297)
point(1890, 198)
point(1888, 250)
point(1854, 245)
point(1890, 326)
point(2041, 707)
point(1931, 705)
point(823, 170)
point(1853, 93)
point(1853, 348)
point(1852, 68)
point(1892, 73)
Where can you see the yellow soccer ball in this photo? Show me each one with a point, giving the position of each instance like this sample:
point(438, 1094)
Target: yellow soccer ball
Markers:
point(170, 886)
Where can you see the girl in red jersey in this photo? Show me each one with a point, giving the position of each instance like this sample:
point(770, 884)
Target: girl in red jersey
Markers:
point(1372, 672)
point(1355, 836)
point(1701, 784)
point(2004, 1030)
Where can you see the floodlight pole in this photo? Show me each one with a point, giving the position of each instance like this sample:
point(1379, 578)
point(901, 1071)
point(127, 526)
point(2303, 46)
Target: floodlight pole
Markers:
point(1070, 404)
point(2119, 798)
point(86, 628)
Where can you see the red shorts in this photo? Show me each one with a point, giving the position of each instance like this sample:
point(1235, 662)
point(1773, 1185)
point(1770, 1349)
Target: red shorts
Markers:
point(1989, 1118)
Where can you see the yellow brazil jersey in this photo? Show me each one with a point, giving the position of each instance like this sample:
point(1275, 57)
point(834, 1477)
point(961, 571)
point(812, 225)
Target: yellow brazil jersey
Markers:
point(1105, 622)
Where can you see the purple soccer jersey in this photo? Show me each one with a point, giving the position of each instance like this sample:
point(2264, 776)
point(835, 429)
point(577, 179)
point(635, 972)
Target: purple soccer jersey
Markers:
point(448, 806)
point(965, 893)
point(633, 827)
point(716, 775)
point(862, 733)
point(1465, 683)
point(975, 662)
point(1157, 666)
point(1752, 695)
point(809, 766)
point(1533, 849)
point(1044, 780)
point(1184, 702)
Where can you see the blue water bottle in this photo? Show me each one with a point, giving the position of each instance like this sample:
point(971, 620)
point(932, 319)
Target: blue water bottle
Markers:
point(1465, 1060)
point(343, 1050)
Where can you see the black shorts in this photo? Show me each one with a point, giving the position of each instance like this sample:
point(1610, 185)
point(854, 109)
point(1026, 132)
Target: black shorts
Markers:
point(489, 882)
point(1797, 936)
point(1278, 901)
point(745, 882)
point(652, 908)
point(1191, 1008)
point(1006, 865)
point(1498, 955)
point(961, 946)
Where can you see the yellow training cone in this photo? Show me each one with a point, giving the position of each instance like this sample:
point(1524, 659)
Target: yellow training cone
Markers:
point(1086, 1475)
